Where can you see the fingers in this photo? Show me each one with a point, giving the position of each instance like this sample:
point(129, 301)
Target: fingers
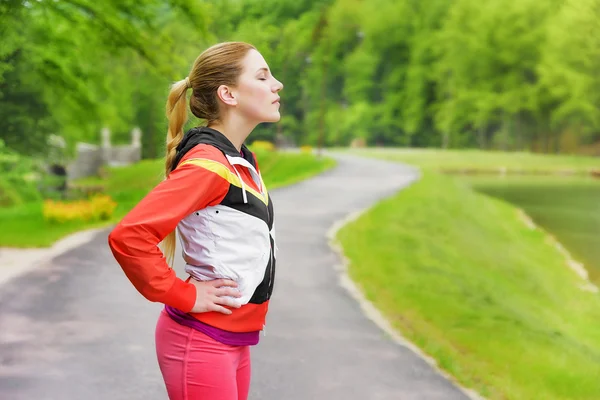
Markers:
point(225, 291)
point(218, 308)
point(223, 282)
point(216, 295)
point(226, 301)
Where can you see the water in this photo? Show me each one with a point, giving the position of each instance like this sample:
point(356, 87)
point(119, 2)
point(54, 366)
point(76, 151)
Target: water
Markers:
point(566, 207)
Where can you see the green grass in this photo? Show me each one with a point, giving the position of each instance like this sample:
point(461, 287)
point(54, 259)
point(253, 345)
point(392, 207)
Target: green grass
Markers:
point(281, 169)
point(569, 208)
point(462, 277)
point(485, 161)
point(24, 226)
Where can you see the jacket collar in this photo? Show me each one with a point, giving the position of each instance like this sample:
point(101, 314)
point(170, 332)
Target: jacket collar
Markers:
point(206, 135)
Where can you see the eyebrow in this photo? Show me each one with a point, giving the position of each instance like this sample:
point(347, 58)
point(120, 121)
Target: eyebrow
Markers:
point(263, 69)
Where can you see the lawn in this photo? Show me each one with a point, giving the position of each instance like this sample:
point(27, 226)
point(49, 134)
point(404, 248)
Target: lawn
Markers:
point(24, 226)
point(461, 276)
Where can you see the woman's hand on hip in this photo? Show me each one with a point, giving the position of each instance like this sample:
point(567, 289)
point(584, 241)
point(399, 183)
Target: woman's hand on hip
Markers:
point(213, 295)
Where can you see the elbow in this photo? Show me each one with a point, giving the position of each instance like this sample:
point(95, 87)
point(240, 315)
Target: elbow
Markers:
point(115, 238)
point(122, 241)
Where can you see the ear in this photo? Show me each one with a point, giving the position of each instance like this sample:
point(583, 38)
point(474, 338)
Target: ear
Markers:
point(226, 95)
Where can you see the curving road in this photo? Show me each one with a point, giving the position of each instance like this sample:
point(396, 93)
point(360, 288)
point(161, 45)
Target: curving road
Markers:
point(75, 328)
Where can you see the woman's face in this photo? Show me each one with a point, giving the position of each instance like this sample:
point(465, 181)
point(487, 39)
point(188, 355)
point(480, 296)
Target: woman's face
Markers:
point(257, 90)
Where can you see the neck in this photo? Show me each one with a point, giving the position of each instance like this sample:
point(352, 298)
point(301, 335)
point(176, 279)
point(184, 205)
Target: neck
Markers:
point(235, 129)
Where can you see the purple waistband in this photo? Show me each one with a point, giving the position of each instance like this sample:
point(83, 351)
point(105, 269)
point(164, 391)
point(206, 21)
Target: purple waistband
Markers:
point(225, 337)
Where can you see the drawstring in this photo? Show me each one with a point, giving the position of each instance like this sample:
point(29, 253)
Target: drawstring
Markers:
point(243, 185)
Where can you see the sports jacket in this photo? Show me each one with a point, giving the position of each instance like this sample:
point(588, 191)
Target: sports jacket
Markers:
point(218, 202)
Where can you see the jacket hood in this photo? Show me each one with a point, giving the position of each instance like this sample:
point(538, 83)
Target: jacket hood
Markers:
point(205, 135)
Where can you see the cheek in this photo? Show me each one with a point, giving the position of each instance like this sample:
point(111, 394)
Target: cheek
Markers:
point(255, 99)
point(257, 92)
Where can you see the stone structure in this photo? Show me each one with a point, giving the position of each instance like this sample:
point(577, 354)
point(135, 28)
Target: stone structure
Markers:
point(283, 142)
point(91, 157)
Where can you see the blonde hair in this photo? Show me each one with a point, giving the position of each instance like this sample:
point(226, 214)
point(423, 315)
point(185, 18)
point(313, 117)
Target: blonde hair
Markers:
point(218, 65)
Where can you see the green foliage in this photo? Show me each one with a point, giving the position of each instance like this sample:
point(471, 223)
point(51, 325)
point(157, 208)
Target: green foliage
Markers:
point(18, 178)
point(8, 194)
point(503, 74)
point(570, 64)
point(103, 57)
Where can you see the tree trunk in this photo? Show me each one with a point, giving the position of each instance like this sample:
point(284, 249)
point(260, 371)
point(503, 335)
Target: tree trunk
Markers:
point(481, 137)
point(445, 140)
point(518, 133)
point(504, 131)
point(151, 136)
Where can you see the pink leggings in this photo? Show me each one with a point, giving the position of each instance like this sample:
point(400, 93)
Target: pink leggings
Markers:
point(196, 367)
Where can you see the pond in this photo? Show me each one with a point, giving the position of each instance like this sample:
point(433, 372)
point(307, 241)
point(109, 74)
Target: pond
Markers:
point(566, 207)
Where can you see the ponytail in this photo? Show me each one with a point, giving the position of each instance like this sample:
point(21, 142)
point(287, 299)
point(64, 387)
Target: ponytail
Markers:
point(177, 116)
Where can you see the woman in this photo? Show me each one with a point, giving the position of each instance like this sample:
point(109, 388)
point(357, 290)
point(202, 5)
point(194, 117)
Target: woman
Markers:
point(215, 196)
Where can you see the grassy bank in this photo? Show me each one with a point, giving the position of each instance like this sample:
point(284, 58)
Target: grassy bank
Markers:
point(462, 277)
point(24, 226)
point(553, 189)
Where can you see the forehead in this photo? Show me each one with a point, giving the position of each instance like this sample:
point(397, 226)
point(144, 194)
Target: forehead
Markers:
point(254, 61)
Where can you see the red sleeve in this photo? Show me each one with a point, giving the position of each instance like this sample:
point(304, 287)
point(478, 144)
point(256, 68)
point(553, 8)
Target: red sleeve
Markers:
point(134, 241)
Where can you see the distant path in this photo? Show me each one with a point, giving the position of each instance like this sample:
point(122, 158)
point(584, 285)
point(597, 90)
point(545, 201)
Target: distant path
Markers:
point(75, 328)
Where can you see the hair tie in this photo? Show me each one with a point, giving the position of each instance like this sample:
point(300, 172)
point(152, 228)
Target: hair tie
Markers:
point(187, 82)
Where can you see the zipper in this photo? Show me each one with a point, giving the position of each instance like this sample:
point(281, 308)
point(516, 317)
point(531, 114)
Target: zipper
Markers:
point(270, 272)
point(241, 161)
point(272, 256)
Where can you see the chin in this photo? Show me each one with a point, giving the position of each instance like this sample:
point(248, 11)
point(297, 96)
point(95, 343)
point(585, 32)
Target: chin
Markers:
point(273, 118)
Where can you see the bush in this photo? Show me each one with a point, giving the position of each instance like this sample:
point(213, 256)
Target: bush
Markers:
point(27, 189)
point(19, 178)
point(264, 145)
point(103, 206)
point(97, 208)
point(84, 191)
point(8, 194)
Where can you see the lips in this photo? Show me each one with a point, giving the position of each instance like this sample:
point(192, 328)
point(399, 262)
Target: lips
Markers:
point(276, 101)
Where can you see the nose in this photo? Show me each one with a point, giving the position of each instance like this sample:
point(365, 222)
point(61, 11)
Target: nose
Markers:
point(278, 86)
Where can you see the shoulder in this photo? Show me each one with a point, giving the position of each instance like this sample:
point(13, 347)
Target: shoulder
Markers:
point(204, 152)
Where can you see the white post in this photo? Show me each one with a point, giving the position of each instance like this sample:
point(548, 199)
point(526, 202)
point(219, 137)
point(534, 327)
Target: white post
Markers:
point(105, 135)
point(105, 145)
point(136, 137)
